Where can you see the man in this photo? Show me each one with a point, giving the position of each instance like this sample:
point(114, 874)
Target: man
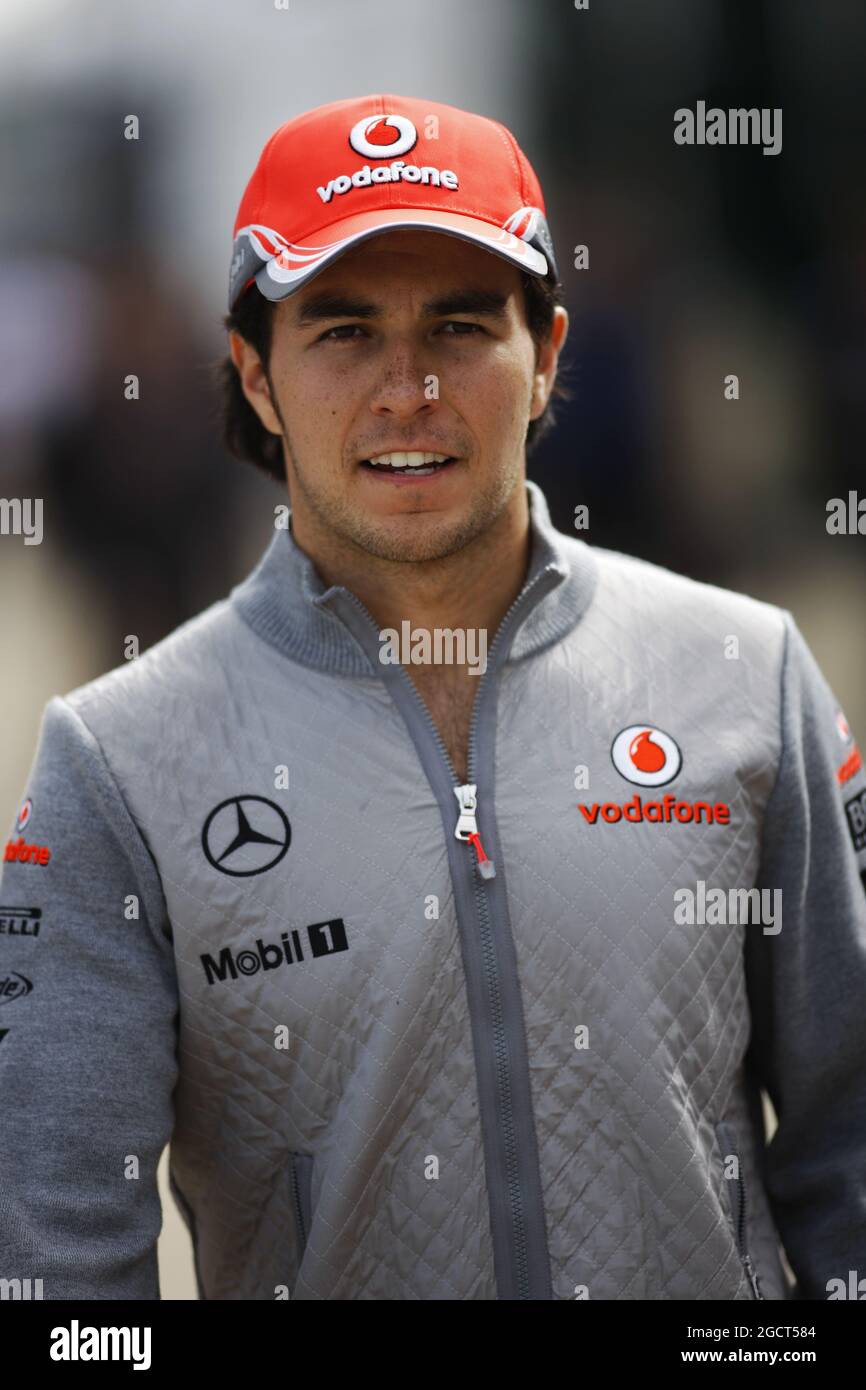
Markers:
point(453, 968)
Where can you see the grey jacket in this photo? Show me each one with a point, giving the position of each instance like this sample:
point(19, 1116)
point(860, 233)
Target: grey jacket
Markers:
point(386, 1069)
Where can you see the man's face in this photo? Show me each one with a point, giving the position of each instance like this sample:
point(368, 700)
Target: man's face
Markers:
point(412, 341)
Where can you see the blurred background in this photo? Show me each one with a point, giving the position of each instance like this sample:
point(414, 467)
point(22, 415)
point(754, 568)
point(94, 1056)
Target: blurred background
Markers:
point(705, 261)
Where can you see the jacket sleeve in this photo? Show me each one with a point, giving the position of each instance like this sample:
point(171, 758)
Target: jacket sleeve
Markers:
point(807, 983)
point(88, 1042)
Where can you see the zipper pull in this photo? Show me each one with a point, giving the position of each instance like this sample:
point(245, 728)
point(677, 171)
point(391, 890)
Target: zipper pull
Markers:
point(485, 866)
point(753, 1278)
point(467, 828)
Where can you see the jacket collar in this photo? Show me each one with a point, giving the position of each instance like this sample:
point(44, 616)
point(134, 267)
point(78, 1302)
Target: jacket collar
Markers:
point(285, 601)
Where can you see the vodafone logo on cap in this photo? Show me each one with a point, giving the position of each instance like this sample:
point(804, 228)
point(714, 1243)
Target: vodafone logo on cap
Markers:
point(380, 137)
point(646, 756)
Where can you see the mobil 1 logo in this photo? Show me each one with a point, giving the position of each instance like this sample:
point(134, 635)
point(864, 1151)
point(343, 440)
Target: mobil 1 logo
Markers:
point(322, 939)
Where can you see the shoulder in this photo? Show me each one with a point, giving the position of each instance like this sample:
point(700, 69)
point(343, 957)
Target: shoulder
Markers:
point(179, 669)
point(642, 598)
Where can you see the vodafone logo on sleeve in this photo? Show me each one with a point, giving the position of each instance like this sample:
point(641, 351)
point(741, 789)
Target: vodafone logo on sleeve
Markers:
point(854, 761)
point(19, 852)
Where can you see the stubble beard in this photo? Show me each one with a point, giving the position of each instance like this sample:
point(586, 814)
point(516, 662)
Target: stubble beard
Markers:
point(415, 538)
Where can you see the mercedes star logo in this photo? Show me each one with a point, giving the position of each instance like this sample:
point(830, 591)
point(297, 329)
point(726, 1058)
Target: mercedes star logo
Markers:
point(245, 835)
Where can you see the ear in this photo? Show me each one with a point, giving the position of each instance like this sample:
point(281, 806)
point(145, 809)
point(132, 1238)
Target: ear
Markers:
point(254, 381)
point(548, 357)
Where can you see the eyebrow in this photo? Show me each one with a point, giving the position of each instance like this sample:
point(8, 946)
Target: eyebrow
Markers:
point(336, 305)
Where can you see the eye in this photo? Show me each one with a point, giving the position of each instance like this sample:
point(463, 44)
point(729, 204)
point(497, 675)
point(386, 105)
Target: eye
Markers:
point(340, 329)
point(458, 323)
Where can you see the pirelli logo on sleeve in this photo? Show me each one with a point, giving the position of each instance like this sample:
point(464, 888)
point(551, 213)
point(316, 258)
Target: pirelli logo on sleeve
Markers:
point(20, 921)
point(855, 810)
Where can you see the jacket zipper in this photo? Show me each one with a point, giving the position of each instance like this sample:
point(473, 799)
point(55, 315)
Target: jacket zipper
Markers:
point(745, 1257)
point(299, 1210)
point(466, 829)
point(300, 1176)
point(741, 1235)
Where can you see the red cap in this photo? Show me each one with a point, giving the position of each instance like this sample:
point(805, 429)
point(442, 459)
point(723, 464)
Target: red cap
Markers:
point(341, 173)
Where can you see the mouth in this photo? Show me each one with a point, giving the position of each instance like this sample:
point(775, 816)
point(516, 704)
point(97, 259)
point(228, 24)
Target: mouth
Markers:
point(409, 466)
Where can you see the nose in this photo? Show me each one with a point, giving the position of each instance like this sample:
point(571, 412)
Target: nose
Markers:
point(405, 388)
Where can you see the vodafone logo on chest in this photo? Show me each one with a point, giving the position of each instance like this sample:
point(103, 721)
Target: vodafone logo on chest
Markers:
point(645, 755)
point(649, 757)
point(384, 138)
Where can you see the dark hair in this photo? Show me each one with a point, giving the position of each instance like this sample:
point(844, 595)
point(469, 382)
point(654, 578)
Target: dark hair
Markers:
point(245, 436)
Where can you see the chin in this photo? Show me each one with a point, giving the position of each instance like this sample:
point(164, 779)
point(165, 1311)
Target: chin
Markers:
point(416, 537)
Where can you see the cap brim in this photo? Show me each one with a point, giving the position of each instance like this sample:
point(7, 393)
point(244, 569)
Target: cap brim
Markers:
point(281, 275)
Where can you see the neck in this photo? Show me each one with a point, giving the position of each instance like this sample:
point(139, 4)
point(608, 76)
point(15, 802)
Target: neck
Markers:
point(472, 588)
